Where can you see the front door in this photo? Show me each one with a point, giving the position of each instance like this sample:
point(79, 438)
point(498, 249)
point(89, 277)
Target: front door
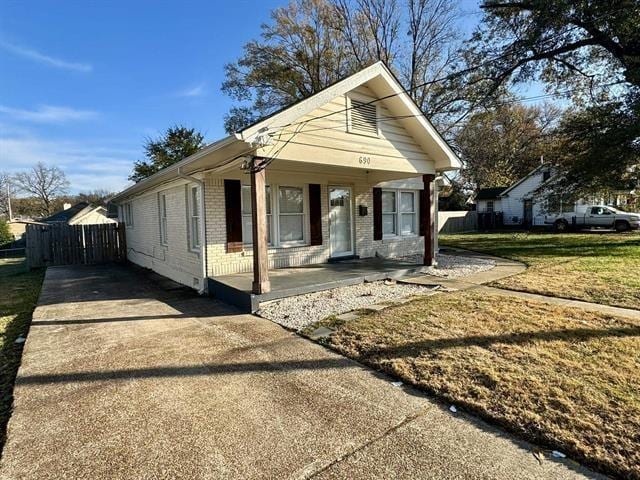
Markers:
point(340, 222)
point(528, 213)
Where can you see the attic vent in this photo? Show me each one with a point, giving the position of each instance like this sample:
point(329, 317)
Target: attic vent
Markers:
point(363, 118)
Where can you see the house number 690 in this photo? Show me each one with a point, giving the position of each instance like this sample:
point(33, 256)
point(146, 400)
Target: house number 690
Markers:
point(364, 160)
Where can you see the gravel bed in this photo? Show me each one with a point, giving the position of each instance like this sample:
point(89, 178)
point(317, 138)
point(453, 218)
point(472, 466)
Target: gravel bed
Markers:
point(303, 310)
point(455, 266)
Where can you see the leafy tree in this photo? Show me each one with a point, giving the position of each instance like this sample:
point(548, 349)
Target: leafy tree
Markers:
point(501, 145)
point(311, 44)
point(44, 184)
point(98, 197)
point(590, 52)
point(5, 234)
point(5, 181)
point(178, 142)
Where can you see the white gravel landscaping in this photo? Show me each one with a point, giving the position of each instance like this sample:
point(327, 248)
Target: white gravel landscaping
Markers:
point(455, 266)
point(303, 310)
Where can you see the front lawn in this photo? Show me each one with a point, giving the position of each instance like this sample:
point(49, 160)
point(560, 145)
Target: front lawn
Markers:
point(595, 267)
point(559, 377)
point(19, 290)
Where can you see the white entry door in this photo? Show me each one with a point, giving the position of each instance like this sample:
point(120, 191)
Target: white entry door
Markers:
point(340, 222)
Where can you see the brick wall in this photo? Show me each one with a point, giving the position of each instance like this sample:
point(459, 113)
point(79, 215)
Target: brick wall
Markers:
point(144, 247)
point(177, 262)
point(221, 263)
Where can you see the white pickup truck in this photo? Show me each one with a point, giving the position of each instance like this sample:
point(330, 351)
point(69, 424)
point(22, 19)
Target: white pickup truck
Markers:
point(596, 216)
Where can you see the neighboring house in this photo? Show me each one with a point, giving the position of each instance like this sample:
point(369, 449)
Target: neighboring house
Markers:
point(348, 172)
point(488, 200)
point(523, 204)
point(82, 213)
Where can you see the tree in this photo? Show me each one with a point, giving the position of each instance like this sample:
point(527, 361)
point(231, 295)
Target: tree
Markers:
point(178, 142)
point(5, 187)
point(311, 44)
point(99, 197)
point(44, 183)
point(503, 144)
point(590, 52)
point(5, 233)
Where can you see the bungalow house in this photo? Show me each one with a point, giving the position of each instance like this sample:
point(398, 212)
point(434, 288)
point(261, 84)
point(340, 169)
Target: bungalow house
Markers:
point(348, 172)
point(82, 213)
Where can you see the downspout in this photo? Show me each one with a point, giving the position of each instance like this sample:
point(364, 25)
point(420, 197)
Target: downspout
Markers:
point(203, 232)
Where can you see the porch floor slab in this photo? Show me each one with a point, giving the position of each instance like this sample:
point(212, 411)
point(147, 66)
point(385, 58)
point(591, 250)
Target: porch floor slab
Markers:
point(287, 282)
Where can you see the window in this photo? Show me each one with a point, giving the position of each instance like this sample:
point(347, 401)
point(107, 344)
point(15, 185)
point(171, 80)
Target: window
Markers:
point(127, 213)
point(285, 215)
point(247, 230)
point(408, 215)
point(291, 214)
point(362, 118)
point(194, 217)
point(162, 203)
point(399, 212)
point(490, 206)
point(546, 175)
point(389, 217)
point(600, 211)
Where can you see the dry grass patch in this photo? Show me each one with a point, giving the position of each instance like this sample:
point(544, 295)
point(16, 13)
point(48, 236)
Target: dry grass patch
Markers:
point(19, 290)
point(595, 267)
point(560, 377)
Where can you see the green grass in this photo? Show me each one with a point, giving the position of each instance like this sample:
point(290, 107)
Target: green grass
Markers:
point(19, 290)
point(600, 268)
point(560, 377)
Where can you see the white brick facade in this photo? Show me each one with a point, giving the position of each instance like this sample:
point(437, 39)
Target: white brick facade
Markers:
point(176, 261)
point(173, 260)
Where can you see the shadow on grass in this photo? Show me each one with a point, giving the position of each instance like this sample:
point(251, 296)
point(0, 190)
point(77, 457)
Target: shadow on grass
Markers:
point(485, 341)
point(20, 289)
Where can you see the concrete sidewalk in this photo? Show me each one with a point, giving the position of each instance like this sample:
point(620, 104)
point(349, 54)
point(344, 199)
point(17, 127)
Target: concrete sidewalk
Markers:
point(506, 268)
point(123, 379)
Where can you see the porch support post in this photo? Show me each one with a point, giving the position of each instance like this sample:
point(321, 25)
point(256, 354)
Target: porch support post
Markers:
point(261, 282)
point(427, 218)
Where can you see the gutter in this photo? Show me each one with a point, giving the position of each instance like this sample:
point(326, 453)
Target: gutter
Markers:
point(203, 230)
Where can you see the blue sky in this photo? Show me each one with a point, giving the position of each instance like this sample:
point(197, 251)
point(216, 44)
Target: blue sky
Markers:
point(82, 83)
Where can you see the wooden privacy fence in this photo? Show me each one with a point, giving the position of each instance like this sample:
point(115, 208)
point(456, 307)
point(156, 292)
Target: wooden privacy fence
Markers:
point(62, 244)
point(457, 221)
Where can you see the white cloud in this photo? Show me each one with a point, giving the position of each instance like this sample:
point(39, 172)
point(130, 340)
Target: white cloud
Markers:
point(45, 59)
point(48, 114)
point(88, 166)
point(194, 91)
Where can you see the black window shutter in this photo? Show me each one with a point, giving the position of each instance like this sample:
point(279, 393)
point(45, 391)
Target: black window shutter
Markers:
point(423, 207)
point(377, 214)
point(315, 214)
point(233, 214)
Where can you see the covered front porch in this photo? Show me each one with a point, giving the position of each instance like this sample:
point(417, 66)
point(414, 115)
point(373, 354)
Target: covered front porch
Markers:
point(237, 289)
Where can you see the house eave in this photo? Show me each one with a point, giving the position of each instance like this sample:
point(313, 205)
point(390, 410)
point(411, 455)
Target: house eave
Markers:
point(172, 172)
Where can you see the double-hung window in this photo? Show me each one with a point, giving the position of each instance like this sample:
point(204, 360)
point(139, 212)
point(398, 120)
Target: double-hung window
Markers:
point(194, 216)
point(389, 213)
point(247, 219)
point(127, 213)
point(285, 215)
point(408, 213)
point(291, 215)
point(399, 212)
point(162, 204)
point(490, 205)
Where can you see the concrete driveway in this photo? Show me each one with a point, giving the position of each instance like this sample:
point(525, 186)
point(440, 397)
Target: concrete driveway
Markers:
point(122, 378)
